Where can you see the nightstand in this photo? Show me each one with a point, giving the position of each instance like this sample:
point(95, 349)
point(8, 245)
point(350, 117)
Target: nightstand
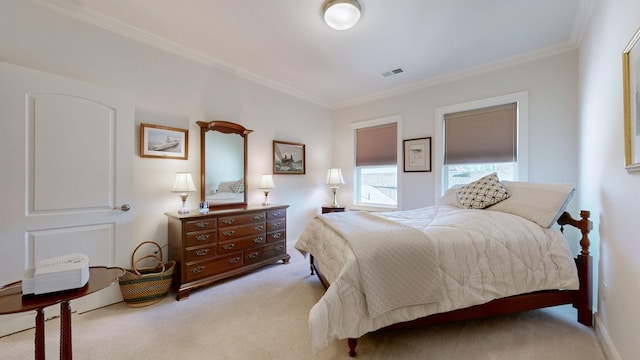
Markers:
point(330, 209)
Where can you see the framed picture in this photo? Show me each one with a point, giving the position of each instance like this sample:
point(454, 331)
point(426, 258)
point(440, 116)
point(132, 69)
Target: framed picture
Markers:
point(631, 82)
point(288, 158)
point(417, 155)
point(163, 142)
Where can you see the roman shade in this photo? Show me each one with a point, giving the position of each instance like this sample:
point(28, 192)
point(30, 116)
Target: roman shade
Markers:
point(487, 135)
point(377, 145)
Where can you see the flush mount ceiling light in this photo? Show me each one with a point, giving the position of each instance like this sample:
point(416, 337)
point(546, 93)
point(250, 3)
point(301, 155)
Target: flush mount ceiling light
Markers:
point(341, 14)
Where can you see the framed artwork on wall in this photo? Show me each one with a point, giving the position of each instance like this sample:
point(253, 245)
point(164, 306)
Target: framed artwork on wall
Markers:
point(288, 158)
point(631, 83)
point(417, 155)
point(163, 142)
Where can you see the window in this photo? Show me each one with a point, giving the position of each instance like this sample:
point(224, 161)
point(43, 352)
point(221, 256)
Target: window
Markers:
point(376, 168)
point(479, 138)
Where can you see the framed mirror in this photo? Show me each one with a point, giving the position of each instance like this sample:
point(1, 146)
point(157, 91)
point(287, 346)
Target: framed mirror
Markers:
point(223, 164)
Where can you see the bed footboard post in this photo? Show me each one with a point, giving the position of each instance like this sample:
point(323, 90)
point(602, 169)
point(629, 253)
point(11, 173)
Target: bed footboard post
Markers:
point(584, 262)
point(584, 302)
point(352, 346)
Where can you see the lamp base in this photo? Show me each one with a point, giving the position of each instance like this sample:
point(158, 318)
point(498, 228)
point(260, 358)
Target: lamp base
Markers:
point(266, 198)
point(184, 209)
point(335, 199)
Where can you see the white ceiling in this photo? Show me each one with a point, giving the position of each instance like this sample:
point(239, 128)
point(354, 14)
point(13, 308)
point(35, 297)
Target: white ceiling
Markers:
point(286, 45)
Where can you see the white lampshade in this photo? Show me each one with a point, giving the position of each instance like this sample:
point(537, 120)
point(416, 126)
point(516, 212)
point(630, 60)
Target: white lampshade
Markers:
point(334, 177)
point(184, 183)
point(341, 14)
point(266, 182)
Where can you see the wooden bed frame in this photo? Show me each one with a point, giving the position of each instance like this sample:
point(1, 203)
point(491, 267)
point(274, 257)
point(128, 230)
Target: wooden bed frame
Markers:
point(581, 299)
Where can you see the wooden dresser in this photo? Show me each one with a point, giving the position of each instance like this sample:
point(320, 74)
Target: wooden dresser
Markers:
point(224, 243)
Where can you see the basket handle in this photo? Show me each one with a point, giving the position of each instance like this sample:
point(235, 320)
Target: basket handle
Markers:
point(133, 256)
point(135, 263)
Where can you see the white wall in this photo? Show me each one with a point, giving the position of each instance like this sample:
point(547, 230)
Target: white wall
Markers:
point(552, 86)
point(611, 193)
point(173, 91)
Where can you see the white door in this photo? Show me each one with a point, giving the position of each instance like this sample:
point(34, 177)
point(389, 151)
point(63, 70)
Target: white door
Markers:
point(66, 159)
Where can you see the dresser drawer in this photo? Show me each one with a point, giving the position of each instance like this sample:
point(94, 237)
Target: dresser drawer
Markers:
point(241, 231)
point(277, 236)
point(200, 238)
point(225, 247)
point(241, 219)
point(265, 252)
point(200, 253)
point(202, 269)
point(274, 225)
point(200, 225)
point(276, 214)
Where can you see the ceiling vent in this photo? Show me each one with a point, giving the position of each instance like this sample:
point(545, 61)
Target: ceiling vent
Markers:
point(393, 72)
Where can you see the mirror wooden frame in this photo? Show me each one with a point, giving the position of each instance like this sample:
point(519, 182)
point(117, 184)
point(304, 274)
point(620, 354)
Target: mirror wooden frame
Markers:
point(631, 83)
point(225, 127)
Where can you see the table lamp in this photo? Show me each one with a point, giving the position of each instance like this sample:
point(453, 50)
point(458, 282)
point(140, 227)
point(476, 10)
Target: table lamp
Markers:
point(183, 185)
point(334, 180)
point(266, 184)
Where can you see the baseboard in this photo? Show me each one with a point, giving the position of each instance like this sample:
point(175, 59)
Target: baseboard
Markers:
point(608, 348)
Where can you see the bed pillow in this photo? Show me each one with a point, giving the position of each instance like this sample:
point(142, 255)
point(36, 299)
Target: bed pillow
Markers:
point(482, 193)
point(538, 202)
point(238, 186)
point(225, 186)
point(450, 197)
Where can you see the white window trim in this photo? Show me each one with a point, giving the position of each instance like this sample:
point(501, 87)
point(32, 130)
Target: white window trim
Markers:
point(397, 119)
point(521, 98)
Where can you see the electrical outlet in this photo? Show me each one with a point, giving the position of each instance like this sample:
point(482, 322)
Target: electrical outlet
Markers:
point(605, 292)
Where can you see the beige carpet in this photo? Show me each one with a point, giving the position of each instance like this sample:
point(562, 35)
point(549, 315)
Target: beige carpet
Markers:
point(263, 315)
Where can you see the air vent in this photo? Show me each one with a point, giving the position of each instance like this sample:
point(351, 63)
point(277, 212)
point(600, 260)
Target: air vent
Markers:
point(393, 72)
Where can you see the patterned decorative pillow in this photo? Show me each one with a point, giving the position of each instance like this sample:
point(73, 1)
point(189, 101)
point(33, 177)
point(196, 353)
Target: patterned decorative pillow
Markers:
point(238, 186)
point(482, 193)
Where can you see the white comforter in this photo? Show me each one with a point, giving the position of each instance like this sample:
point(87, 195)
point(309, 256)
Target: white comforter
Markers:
point(482, 255)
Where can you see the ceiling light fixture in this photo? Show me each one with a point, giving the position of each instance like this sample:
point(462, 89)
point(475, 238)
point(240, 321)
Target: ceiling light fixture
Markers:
point(341, 14)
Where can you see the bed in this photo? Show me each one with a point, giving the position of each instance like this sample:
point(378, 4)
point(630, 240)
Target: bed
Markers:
point(447, 262)
point(227, 192)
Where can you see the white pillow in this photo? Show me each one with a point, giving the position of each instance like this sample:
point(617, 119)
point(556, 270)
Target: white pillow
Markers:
point(226, 186)
point(482, 193)
point(538, 202)
point(450, 197)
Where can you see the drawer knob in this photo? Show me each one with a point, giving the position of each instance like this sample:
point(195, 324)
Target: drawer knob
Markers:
point(228, 246)
point(234, 260)
point(198, 269)
point(228, 221)
point(258, 217)
point(253, 255)
point(276, 214)
point(276, 235)
point(258, 240)
point(277, 224)
point(202, 252)
point(258, 228)
point(202, 224)
point(279, 247)
point(228, 233)
point(202, 237)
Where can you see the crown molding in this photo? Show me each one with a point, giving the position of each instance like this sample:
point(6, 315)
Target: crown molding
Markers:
point(75, 10)
point(469, 72)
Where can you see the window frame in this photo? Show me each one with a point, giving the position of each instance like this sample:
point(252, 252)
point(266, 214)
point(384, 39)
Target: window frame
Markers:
point(397, 119)
point(522, 120)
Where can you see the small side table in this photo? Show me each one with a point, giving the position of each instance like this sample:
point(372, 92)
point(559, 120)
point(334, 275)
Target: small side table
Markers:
point(12, 302)
point(331, 209)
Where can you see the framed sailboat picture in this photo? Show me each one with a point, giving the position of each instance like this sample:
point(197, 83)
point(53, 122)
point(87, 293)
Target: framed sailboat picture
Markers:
point(163, 142)
point(288, 158)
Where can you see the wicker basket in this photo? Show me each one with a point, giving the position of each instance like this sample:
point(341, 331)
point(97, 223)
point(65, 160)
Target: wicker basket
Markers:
point(146, 286)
